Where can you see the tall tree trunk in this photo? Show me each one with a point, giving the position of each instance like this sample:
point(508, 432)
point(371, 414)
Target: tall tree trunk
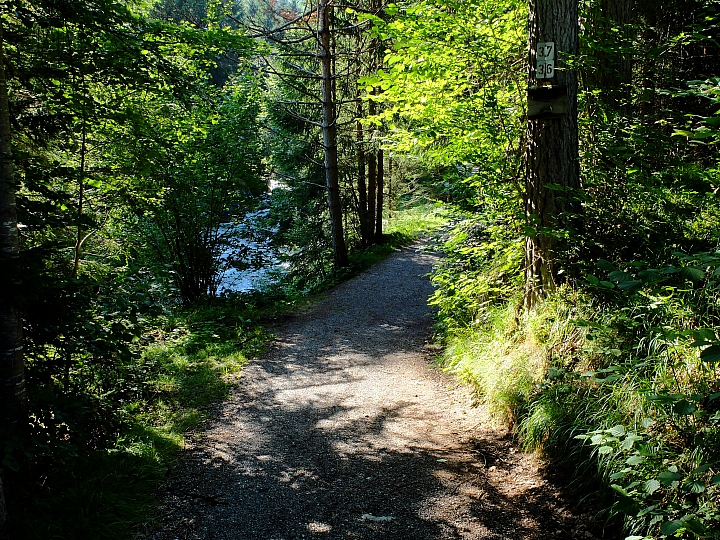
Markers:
point(362, 178)
point(329, 130)
point(390, 187)
point(553, 171)
point(371, 198)
point(372, 181)
point(12, 370)
point(380, 199)
point(81, 202)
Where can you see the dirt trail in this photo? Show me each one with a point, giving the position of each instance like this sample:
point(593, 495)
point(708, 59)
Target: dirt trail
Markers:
point(343, 430)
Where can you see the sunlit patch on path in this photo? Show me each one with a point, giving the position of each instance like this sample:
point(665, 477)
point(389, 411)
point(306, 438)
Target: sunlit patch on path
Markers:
point(344, 430)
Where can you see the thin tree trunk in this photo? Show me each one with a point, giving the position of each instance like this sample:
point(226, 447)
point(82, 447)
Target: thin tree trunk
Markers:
point(390, 187)
point(362, 177)
point(81, 202)
point(613, 72)
point(372, 187)
point(372, 182)
point(329, 130)
point(12, 370)
point(552, 149)
point(617, 85)
point(380, 200)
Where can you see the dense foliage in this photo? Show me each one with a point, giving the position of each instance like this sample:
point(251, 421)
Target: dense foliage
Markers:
point(144, 132)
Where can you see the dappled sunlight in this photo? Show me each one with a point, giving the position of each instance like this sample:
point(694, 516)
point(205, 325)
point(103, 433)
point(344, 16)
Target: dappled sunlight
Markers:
point(343, 431)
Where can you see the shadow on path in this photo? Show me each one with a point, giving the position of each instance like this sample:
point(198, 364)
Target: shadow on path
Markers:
point(342, 431)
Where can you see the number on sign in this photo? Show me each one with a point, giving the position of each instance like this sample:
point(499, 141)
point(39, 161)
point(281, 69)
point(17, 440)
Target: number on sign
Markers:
point(546, 49)
point(545, 66)
point(545, 70)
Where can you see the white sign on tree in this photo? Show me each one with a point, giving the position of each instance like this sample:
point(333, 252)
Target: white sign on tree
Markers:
point(545, 65)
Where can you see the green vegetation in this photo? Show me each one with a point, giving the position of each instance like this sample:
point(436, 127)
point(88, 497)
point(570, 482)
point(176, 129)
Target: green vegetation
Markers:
point(580, 289)
point(105, 487)
point(402, 229)
point(106, 454)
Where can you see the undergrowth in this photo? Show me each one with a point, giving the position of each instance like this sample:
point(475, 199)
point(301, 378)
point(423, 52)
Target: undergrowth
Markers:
point(614, 379)
point(106, 489)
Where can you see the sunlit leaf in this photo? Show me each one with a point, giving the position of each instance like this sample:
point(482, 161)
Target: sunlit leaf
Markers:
point(651, 486)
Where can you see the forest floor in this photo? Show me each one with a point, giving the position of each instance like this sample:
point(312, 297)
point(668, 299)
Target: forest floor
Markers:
point(344, 430)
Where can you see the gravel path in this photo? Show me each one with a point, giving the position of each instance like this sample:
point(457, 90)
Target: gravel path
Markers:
point(343, 430)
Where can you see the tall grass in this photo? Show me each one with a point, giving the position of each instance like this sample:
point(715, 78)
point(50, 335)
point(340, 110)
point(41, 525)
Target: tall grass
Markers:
point(605, 379)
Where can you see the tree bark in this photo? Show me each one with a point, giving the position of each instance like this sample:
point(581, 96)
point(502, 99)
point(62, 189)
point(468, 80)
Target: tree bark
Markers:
point(380, 194)
point(329, 130)
point(81, 201)
point(362, 178)
point(13, 400)
point(553, 171)
point(371, 197)
point(390, 187)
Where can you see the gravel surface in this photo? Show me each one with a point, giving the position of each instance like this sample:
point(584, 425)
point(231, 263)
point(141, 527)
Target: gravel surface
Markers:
point(344, 430)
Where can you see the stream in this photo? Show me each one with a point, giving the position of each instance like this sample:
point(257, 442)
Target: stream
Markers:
point(248, 260)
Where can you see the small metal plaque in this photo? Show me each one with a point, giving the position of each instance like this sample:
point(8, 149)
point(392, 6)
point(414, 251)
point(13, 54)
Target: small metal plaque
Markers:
point(547, 102)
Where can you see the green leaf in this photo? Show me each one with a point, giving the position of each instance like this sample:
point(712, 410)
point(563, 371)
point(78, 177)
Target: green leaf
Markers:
point(684, 407)
point(618, 431)
point(695, 525)
point(649, 276)
point(692, 273)
point(606, 265)
point(592, 280)
point(620, 276)
point(697, 486)
point(668, 477)
point(715, 480)
point(607, 284)
point(702, 468)
point(603, 450)
point(625, 504)
point(627, 285)
point(665, 399)
point(670, 527)
point(711, 354)
point(629, 441)
point(635, 460)
point(651, 486)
